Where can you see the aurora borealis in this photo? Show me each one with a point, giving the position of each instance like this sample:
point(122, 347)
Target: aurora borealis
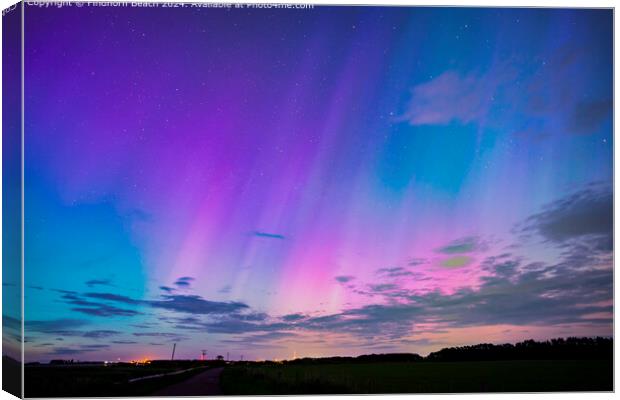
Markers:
point(325, 181)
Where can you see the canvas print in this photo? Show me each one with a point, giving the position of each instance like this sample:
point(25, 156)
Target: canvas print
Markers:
point(212, 199)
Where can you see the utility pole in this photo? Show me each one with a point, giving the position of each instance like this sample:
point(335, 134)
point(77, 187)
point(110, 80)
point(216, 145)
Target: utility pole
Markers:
point(174, 347)
point(227, 357)
point(203, 355)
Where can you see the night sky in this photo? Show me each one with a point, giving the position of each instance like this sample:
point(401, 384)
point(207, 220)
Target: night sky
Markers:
point(327, 181)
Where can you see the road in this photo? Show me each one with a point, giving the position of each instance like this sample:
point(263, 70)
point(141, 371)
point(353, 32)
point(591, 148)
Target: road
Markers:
point(204, 384)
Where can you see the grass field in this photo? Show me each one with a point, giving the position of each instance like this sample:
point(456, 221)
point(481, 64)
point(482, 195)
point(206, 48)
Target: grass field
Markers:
point(88, 381)
point(420, 377)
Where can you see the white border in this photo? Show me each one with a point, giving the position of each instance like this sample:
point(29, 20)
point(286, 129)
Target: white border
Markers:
point(478, 3)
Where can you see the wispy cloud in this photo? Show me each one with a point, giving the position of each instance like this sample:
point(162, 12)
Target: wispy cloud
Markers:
point(534, 96)
point(112, 297)
point(456, 262)
point(414, 262)
point(394, 272)
point(454, 97)
point(463, 245)
point(12, 327)
point(584, 215)
point(225, 289)
point(511, 296)
point(73, 328)
point(344, 278)
point(165, 335)
point(55, 325)
point(86, 348)
point(196, 305)
point(95, 308)
point(382, 287)
point(184, 281)
point(104, 310)
point(98, 282)
point(268, 235)
point(100, 334)
point(589, 115)
point(293, 317)
point(191, 304)
point(457, 252)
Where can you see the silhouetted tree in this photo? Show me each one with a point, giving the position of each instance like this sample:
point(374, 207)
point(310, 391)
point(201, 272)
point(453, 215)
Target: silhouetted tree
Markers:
point(554, 349)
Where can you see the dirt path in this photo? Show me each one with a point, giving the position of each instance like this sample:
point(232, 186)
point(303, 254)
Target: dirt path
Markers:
point(204, 384)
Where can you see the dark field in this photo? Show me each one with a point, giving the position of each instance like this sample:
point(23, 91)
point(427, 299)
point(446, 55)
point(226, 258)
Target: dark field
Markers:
point(556, 365)
point(421, 377)
point(99, 380)
point(378, 377)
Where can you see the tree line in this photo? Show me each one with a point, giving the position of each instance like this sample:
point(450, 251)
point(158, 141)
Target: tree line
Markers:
point(555, 349)
point(572, 348)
